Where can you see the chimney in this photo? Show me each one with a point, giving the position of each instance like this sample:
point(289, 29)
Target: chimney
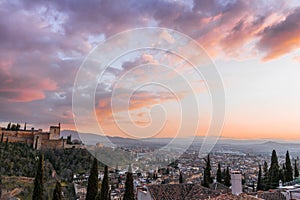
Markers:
point(236, 182)
point(280, 183)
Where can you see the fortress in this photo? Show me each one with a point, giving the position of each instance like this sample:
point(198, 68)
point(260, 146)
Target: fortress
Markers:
point(38, 139)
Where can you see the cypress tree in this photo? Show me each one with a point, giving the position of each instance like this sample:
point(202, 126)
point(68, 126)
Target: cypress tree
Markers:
point(219, 173)
point(0, 186)
point(265, 180)
point(207, 176)
point(129, 193)
point(180, 178)
point(259, 181)
point(57, 192)
point(274, 171)
point(283, 171)
point(8, 126)
point(92, 188)
point(281, 174)
point(104, 194)
point(296, 171)
point(227, 177)
point(266, 169)
point(39, 180)
point(223, 175)
point(289, 169)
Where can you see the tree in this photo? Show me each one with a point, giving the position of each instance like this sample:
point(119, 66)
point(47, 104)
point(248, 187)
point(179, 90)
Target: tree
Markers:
point(92, 188)
point(296, 171)
point(274, 171)
point(104, 194)
point(227, 177)
point(180, 178)
point(39, 180)
point(129, 193)
point(57, 192)
point(288, 168)
point(13, 127)
point(2, 137)
point(219, 173)
point(0, 187)
point(223, 175)
point(6, 144)
point(18, 126)
point(281, 174)
point(266, 169)
point(207, 176)
point(259, 181)
point(253, 186)
point(8, 126)
point(265, 180)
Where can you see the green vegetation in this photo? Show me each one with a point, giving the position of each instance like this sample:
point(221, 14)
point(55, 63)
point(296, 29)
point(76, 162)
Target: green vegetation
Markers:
point(296, 171)
point(207, 175)
point(18, 162)
point(57, 192)
point(39, 180)
point(219, 173)
point(274, 171)
point(129, 193)
point(13, 127)
point(227, 178)
point(17, 159)
point(259, 181)
point(271, 176)
point(65, 162)
point(180, 178)
point(288, 172)
point(104, 193)
point(92, 188)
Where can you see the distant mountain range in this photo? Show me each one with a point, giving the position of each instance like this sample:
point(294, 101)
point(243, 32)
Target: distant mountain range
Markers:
point(223, 144)
point(92, 139)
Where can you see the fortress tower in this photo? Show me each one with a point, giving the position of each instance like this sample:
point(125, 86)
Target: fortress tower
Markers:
point(54, 132)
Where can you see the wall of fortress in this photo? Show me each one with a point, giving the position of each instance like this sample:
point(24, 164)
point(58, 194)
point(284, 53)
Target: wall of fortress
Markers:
point(37, 138)
point(53, 144)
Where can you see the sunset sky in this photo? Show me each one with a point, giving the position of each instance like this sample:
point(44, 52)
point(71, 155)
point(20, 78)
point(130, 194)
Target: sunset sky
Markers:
point(255, 45)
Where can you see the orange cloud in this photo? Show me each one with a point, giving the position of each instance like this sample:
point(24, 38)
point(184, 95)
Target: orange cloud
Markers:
point(281, 38)
point(25, 89)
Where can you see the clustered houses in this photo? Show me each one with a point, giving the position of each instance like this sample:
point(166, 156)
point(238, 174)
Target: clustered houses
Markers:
point(164, 183)
point(153, 185)
point(37, 138)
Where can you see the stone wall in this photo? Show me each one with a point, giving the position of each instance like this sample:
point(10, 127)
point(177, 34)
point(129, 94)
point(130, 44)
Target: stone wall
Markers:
point(53, 144)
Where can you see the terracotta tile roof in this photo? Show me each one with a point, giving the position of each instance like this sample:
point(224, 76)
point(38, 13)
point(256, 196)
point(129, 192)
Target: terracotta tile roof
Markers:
point(181, 192)
point(220, 187)
point(229, 196)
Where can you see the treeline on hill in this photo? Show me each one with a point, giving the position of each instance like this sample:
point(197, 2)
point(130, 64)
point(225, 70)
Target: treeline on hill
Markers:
point(221, 176)
point(18, 159)
point(269, 177)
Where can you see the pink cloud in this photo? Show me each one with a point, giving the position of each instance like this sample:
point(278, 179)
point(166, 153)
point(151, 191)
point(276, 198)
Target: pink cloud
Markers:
point(24, 87)
point(282, 37)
